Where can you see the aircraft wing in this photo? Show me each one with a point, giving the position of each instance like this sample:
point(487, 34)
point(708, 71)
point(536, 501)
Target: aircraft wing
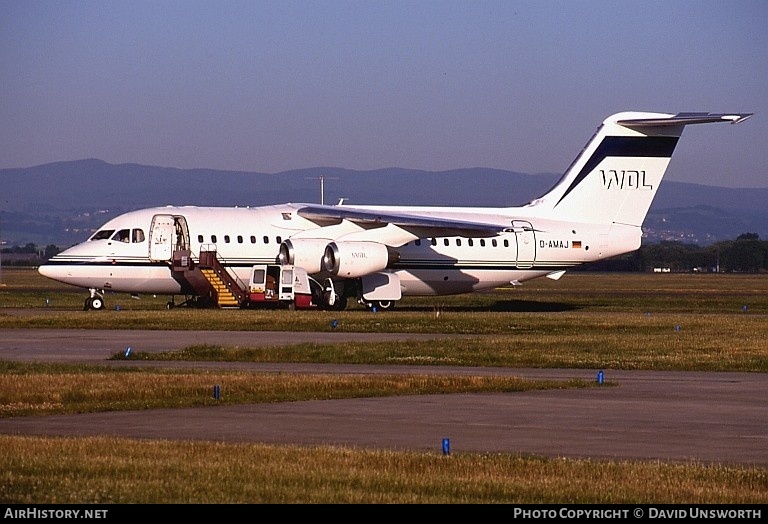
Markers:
point(420, 224)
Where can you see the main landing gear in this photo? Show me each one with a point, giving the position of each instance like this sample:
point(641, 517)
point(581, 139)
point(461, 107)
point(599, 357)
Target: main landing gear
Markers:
point(332, 300)
point(380, 305)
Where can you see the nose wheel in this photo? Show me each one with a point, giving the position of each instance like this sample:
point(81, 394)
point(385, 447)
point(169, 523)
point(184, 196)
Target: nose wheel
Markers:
point(94, 302)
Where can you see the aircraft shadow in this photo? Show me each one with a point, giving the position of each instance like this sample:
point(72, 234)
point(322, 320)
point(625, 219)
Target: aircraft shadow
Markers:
point(503, 306)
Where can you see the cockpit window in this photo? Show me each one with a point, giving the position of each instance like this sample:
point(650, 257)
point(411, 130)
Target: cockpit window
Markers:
point(124, 235)
point(103, 234)
point(138, 236)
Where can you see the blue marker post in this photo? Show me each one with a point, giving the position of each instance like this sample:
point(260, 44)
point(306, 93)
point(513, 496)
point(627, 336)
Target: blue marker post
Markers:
point(446, 446)
point(216, 392)
point(600, 377)
point(127, 353)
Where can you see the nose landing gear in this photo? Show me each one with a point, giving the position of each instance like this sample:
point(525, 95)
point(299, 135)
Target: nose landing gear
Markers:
point(95, 301)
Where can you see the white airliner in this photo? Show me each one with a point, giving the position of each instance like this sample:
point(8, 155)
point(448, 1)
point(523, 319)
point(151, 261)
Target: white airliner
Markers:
point(376, 254)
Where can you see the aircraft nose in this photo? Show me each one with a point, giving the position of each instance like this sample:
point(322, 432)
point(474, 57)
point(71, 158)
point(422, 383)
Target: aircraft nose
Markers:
point(54, 272)
point(49, 271)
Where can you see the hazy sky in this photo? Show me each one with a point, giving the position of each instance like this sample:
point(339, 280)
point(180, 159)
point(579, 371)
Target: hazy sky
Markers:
point(278, 85)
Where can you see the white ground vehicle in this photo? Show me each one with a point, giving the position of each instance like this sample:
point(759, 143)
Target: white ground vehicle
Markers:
point(284, 286)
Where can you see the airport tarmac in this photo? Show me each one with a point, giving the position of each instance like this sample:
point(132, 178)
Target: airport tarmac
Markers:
point(648, 415)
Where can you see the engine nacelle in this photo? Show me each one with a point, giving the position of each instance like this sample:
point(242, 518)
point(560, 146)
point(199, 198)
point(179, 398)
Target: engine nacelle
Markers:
point(303, 252)
point(355, 259)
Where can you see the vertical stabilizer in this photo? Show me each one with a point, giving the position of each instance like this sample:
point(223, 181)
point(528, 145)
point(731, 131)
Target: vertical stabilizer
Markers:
point(617, 174)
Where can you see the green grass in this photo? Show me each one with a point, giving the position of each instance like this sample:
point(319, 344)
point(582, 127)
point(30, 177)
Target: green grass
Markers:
point(584, 320)
point(564, 340)
point(112, 470)
point(42, 389)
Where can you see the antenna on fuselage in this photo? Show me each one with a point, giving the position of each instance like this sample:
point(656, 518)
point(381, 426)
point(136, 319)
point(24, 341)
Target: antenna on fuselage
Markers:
point(322, 180)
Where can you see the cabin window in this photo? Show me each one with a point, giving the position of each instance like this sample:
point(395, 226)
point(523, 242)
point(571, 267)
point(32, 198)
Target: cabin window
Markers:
point(434, 241)
point(506, 243)
point(266, 239)
point(226, 239)
point(458, 241)
point(446, 242)
point(253, 239)
point(279, 240)
point(103, 234)
point(213, 238)
point(494, 243)
point(200, 238)
point(418, 242)
point(138, 236)
point(469, 241)
point(239, 239)
point(482, 242)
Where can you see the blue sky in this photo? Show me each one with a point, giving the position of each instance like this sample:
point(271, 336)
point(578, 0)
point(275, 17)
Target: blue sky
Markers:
point(278, 85)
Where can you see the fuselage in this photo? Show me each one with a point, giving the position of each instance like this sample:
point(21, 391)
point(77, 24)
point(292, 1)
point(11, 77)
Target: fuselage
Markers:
point(131, 253)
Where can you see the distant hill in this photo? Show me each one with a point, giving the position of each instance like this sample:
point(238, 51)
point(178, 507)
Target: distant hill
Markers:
point(63, 202)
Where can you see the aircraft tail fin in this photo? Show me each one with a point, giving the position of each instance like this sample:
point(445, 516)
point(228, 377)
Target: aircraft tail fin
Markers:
point(615, 177)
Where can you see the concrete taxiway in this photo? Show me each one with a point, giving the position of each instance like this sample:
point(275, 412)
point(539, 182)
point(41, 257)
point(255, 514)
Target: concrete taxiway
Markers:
point(670, 416)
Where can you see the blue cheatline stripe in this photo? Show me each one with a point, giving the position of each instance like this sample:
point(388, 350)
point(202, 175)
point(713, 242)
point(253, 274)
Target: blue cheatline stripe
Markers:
point(625, 146)
point(400, 266)
point(458, 266)
point(118, 262)
point(138, 262)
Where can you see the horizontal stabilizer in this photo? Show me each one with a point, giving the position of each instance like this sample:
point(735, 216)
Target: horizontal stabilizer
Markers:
point(686, 119)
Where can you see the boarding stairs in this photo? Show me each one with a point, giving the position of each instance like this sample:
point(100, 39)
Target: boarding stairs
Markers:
point(208, 278)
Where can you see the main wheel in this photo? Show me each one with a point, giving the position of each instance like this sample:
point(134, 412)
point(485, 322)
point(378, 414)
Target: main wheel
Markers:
point(381, 305)
point(340, 304)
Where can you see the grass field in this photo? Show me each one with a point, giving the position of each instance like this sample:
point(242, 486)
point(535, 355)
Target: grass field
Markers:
point(584, 320)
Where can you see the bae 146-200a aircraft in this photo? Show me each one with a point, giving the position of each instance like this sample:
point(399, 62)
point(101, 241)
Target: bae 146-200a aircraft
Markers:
point(322, 256)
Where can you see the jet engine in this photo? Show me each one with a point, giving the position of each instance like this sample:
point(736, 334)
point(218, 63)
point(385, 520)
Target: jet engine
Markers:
point(303, 252)
point(355, 259)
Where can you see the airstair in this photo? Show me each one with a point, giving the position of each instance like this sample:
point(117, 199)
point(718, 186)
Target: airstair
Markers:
point(207, 278)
